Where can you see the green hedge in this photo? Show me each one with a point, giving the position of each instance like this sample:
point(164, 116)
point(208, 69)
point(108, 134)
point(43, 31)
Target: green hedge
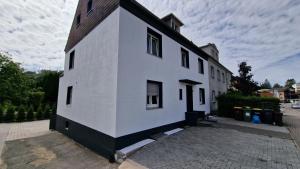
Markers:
point(227, 102)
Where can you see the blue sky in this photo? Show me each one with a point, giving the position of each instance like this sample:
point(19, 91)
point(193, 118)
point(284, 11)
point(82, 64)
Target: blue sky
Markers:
point(265, 33)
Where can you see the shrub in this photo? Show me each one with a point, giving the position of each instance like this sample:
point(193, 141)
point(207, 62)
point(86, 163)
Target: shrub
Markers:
point(39, 113)
point(30, 114)
point(227, 102)
point(47, 112)
point(10, 114)
point(1, 113)
point(21, 114)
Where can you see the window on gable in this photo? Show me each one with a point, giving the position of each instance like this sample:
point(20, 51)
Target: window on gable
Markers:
point(78, 19)
point(71, 61)
point(213, 96)
point(200, 66)
point(69, 95)
point(185, 58)
point(223, 77)
point(218, 75)
point(154, 43)
point(90, 6)
point(202, 96)
point(154, 94)
point(212, 72)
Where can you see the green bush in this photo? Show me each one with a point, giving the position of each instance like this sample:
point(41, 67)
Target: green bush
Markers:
point(47, 112)
point(39, 113)
point(10, 114)
point(227, 102)
point(1, 113)
point(30, 114)
point(21, 114)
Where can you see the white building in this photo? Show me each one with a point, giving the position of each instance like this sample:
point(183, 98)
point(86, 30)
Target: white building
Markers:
point(128, 75)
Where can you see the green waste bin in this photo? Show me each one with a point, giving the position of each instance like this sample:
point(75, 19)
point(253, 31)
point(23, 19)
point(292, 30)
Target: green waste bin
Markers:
point(238, 113)
point(247, 114)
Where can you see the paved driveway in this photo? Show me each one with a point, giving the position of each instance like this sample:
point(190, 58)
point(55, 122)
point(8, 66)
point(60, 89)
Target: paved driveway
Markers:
point(13, 131)
point(207, 147)
point(292, 120)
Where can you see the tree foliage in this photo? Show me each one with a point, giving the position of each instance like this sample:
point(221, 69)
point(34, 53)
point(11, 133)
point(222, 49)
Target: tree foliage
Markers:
point(266, 85)
point(277, 86)
point(244, 82)
point(289, 83)
point(21, 114)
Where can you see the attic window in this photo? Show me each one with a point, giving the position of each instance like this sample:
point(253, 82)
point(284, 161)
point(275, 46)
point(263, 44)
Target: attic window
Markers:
point(78, 19)
point(89, 6)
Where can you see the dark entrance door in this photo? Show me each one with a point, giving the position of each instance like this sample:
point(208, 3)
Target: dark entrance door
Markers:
point(189, 98)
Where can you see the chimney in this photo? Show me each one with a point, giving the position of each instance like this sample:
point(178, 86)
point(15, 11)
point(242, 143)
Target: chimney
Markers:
point(173, 22)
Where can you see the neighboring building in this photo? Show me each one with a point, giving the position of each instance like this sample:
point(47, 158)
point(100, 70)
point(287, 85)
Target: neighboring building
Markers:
point(128, 75)
point(297, 88)
point(267, 93)
point(220, 76)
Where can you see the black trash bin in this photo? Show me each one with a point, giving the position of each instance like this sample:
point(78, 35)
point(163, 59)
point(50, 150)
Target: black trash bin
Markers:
point(278, 119)
point(238, 113)
point(191, 118)
point(268, 116)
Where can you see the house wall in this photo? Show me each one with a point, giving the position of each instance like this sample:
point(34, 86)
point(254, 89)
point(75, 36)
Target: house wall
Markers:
point(215, 85)
point(94, 79)
point(136, 66)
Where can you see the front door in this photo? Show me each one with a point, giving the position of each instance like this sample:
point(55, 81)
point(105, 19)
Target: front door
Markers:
point(189, 98)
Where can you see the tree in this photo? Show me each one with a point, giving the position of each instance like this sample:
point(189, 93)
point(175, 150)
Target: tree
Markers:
point(14, 84)
point(1, 113)
point(47, 112)
point(289, 83)
point(30, 114)
point(10, 114)
point(48, 81)
point(21, 114)
point(277, 86)
point(266, 85)
point(39, 113)
point(244, 82)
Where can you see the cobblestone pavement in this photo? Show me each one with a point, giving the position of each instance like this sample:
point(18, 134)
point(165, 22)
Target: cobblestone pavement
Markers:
point(291, 119)
point(208, 147)
point(51, 151)
point(13, 131)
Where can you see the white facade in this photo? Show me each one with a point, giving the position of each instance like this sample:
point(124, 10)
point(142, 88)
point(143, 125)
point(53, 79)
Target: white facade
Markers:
point(110, 76)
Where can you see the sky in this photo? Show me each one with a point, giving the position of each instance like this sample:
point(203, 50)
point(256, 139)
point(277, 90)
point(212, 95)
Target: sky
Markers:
point(264, 33)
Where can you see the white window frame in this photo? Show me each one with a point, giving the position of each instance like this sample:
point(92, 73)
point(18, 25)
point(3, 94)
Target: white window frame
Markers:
point(150, 104)
point(150, 48)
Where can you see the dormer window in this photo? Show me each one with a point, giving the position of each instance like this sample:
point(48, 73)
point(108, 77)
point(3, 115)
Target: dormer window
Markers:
point(173, 22)
point(90, 6)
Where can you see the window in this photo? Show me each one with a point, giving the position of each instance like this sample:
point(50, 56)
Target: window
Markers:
point(212, 72)
point(180, 94)
point(154, 43)
point(223, 77)
point(213, 96)
point(185, 58)
point(71, 61)
point(67, 125)
point(154, 94)
point(69, 95)
point(219, 94)
point(218, 75)
point(89, 6)
point(200, 66)
point(78, 20)
point(202, 96)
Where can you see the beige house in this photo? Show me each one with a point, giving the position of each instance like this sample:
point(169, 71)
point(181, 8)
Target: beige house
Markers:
point(297, 88)
point(219, 75)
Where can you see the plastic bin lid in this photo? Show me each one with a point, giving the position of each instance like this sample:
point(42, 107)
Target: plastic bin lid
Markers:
point(237, 107)
point(257, 109)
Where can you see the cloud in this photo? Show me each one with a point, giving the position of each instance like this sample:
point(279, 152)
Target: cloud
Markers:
point(35, 32)
point(262, 32)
